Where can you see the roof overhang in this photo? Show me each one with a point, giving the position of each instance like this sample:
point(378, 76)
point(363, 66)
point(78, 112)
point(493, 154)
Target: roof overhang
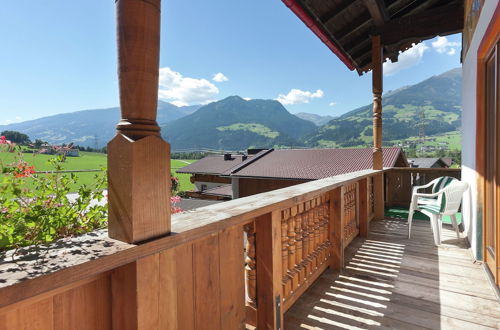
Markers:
point(346, 26)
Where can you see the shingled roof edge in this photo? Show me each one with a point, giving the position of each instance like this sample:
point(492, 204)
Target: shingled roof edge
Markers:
point(247, 162)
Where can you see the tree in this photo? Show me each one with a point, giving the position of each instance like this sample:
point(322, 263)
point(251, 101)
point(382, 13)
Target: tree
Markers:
point(16, 137)
point(38, 143)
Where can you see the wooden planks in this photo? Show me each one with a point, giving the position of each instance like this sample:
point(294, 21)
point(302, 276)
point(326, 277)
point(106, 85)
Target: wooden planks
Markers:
point(84, 307)
point(135, 294)
point(36, 316)
point(401, 283)
point(87, 306)
point(336, 229)
point(269, 272)
point(232, 282)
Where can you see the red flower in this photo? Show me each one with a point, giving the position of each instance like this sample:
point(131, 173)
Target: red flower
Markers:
point(23, 170)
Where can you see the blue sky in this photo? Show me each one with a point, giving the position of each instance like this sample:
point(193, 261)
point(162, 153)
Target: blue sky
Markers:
point(60, 56)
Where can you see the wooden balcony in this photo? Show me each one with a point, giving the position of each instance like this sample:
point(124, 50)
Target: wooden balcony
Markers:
point(390, 282)
point(296, 257)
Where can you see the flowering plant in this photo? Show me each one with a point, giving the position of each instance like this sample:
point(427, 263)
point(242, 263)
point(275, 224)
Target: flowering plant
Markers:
point(173, 201)
point(38, 208)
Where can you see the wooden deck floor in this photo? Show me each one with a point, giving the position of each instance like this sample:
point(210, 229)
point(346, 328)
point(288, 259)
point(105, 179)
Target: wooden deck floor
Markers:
point(392, 282)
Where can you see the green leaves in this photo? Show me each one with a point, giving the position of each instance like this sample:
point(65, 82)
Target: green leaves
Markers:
point(40, 208)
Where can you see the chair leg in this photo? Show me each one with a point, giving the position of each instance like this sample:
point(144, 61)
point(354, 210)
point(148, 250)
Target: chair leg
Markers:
point(410, 218)
point(455, 224)
point(440, 227)
point(435, 229)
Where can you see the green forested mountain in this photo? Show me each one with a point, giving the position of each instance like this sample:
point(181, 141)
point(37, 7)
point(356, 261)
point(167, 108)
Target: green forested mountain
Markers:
point(434, 103)
point(234, 123)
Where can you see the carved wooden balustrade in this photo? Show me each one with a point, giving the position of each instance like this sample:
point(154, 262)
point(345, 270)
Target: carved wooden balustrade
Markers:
point(308, 230)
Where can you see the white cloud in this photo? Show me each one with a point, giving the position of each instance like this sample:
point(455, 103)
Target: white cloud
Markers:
point(220, 77)
point(247, 98)
point(406, 59)
point(11, 121)
point(443, 45)
point(297, 96)
point(332, 104)
point(182, 91)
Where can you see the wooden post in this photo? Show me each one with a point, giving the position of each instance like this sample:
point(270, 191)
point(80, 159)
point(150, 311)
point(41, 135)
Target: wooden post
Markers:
point(378, 183)
point(135, 294)
point(269, 272)
point(337, 229)
point(363, 207)
point(377, 60)
point(138, 159)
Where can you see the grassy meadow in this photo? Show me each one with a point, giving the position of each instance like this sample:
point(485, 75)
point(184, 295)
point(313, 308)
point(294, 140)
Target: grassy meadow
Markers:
point(90, 161)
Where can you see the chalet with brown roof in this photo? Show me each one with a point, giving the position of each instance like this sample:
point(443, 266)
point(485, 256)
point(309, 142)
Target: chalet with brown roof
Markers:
point(274, 169)
point(287, 167)
point(207, 172)
point(429, 162)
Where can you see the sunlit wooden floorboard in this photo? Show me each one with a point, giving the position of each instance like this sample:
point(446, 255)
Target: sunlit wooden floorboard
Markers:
point(392, 282)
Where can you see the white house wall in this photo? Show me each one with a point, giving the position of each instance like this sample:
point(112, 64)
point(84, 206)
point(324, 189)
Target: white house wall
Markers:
point(469, 75)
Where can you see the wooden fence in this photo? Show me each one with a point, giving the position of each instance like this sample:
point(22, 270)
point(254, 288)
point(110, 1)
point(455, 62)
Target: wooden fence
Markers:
point(399, 182)
point(199, 276)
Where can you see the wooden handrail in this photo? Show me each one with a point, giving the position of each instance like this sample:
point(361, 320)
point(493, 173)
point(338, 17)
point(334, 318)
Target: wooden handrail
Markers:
point(293, 235)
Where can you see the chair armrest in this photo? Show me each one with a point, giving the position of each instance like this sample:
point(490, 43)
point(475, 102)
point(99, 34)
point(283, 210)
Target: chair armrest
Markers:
point(428, 195)
point(424, 186)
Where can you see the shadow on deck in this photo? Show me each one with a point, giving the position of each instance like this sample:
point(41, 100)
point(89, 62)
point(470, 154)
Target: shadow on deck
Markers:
point(391, 282)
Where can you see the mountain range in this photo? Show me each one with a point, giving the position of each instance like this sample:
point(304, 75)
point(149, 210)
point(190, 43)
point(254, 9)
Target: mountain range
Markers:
point(88, 127)
point(432, 106)
point(318, 120)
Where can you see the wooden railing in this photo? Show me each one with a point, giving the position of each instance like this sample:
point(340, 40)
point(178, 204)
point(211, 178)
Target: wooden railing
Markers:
point(203, 275)
point(399, 182)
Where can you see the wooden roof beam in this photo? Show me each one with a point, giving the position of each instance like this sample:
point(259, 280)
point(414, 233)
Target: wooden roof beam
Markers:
point(329, 16)
point(377, 11)
point(440, 21)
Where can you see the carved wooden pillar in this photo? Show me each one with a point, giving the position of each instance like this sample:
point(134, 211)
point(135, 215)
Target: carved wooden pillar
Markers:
point(292, 272)
point(250, 267)
point(138, 159)
point(298, 246)
point(305, 241)
point(284, 252)
point(377, 60)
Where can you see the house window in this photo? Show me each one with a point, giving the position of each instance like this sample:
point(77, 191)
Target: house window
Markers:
point(203, 187)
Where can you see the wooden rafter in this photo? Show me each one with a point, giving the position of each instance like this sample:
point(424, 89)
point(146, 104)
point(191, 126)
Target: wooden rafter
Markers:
point(330, 16)
point(440, 21)
point(377, 11)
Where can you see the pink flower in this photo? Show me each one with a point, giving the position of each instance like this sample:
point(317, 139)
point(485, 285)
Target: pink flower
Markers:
point(175, 209)
point(175, 199)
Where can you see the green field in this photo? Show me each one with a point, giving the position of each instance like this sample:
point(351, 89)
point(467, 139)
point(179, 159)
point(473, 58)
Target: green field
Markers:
point(453, 140)
point(90, 161)
point(184, 179)
point(251, 127)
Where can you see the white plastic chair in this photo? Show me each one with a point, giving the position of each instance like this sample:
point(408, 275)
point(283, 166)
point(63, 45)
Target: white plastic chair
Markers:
point(447, 202)
point(418, 200)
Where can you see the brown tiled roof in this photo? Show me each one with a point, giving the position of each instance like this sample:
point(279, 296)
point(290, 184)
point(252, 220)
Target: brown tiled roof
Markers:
point(213, 165)
point(312, 164)
point(427, 162)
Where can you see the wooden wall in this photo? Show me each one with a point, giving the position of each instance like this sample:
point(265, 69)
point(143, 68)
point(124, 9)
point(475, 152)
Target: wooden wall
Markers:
point(209, 178)
point(193, 286)
point(250, 186)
